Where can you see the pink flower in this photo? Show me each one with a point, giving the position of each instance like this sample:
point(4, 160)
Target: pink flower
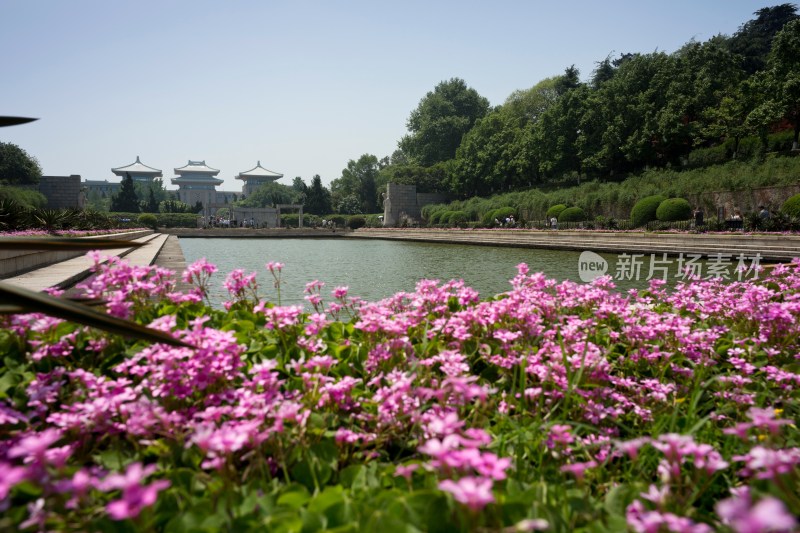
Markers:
point(274, 266)
point(33, 446)
point(474, 492)
point(10, 476)
point(578, 469)
point(198, 272)
point(769, 514)
point(340, 292)
point(405, 471)
point(560, 435)
point(135, 496)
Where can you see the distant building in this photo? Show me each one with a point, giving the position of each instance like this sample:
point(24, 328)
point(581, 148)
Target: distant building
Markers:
point(138, 171)
point(255, 177)
point(104, 188)
point(196, 181)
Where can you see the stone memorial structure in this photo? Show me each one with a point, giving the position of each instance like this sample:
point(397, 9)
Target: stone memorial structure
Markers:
point(404, 202)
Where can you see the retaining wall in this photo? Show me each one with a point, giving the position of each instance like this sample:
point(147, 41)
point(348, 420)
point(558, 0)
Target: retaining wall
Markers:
point(16, 262)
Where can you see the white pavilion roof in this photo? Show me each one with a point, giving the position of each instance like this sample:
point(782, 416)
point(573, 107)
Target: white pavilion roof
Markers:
point(198, 167)
point(259, 172)
point(136, 167)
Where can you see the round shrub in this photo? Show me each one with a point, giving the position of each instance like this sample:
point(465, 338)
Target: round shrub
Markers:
point(374, 221)
point(148, 220)
point(338, 220)
point(645, 210)
point(555, 211)
point(504, 212)
point(792, 206)
point(356, 221)
point(572, 214)
point(177, 220)
point(439, 217)
point(435, 217)
point(673, 210)
point(488, 218)
point(457, 218)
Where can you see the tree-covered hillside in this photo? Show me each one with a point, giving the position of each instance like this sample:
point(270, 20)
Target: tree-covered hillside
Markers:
point(635, 111)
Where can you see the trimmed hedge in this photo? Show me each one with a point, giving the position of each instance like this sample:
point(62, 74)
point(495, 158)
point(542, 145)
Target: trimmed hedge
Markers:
point(338, 220)
point(164, 220)
point(374, 221)
point(645, 210)
point(148, 220)
point(705, 157)
point(572, 214)
point(457, 218)
point(356, 221)
point(673, 210)
point(504, 212)
point(792, 206)
point(555, 211)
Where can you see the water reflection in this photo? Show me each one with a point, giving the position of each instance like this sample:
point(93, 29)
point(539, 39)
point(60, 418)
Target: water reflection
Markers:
point(375, 269)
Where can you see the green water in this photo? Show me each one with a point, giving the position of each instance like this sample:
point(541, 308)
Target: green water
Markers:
point(375, 269)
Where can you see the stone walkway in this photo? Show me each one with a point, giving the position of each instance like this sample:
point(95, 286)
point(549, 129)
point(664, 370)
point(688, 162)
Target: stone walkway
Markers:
point(67, 273)
point(171, 257)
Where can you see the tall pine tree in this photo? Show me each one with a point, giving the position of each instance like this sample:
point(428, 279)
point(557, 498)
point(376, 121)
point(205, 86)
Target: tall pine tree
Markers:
point(125, 201)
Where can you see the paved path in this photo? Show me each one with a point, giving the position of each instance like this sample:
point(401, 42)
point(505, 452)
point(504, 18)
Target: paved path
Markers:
point(67, 273)
point(775, 247)
point(171, 257)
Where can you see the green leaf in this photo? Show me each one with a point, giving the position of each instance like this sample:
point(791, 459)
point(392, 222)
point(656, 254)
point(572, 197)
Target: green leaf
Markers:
point(354, 477)
point(294, 496)
point(328, 497)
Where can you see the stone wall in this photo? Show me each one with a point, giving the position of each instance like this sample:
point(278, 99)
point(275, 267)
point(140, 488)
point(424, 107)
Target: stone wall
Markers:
point(404, 201)
point(61, 191)
point(745, 200)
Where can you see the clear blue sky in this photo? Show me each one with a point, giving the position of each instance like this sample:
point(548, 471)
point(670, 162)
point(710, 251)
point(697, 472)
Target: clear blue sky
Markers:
point(303, 86)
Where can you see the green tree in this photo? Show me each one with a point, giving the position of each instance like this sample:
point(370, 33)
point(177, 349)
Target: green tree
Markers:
point(555, 137)
point(527, 106)
point(269, 194)
point(728, 118)
point(440, 120)
point(126, 200)
point(318, 198)
point(765, 110)
point(619, 129)
point(485, 162)
point(426, 179)
point(17, 167)
point(152, 202)
point(698, 79)
point(784, 69)
point(753, 39)
point(349, 205)
point(359, 179)
point(299, 185)
point(603, 72)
